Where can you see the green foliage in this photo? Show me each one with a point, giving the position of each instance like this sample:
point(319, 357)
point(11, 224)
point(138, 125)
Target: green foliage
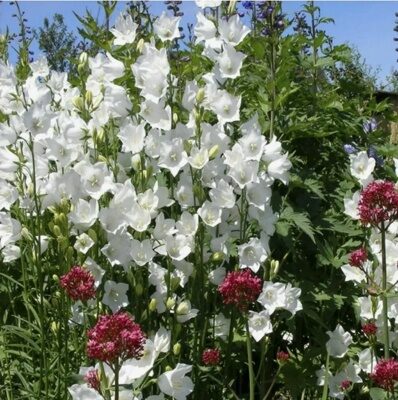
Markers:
point(57, 43)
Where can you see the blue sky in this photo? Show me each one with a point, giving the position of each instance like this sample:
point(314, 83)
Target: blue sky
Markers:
point(367, 25)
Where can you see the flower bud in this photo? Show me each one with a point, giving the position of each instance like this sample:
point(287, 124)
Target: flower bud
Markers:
point(54, 327)
point(89, 97)
point(170, 303)
point(183, 308)
point(200, 95)
point(78, 103)
point(140, 45)
point(177, 349)
point(217, 257)
point(168, 368)
point(56, 278)
point(152, 305)
point(174, 283)
point(213, 152)
point(139, 289)
point(274, 267)
point(57, 231)
point(175, 118)
point(83, 58)
point(26, 234)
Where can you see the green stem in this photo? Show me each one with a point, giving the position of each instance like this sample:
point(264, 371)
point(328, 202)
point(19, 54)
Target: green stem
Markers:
point(250, 361)
point(272, 384)
point(326, 383)
point(117, 380)
point(386, 338)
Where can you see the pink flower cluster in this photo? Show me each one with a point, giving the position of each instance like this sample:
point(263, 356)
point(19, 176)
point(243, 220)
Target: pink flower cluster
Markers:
point(115, 337)
point(358, 257)
point(78, 283)
point(385, 374)
point(240, 288)
point(93, 380)
point(378, 203)
point(211, 356)
point(282, 356)
point(369, 329)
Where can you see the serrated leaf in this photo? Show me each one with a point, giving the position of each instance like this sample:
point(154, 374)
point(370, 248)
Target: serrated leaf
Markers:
point(300, 220)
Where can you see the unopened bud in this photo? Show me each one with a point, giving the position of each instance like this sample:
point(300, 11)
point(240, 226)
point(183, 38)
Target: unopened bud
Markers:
point(177, 349)
point(140, 45)
point(57, 231)
point(26, 234)
point(54, 327)
point(56, 278)
point(274, 268)
point(175, 118)
point(89, 97)
point(152, 305)
point(170, 303)
point(139, 289)
point(183, 308)
point(200, 95)
point(83, 58)
point(78, 103)
point(217, 257)
point(92, 234)
point(213, 152)
point(175, 282)
point(168, 368)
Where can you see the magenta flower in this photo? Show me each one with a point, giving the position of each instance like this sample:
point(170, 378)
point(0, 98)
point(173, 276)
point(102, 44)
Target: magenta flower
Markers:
point(378, 203)
point(78, 283)
point(358, 257)
point(211, 356)
point(115, 337)
point(240, 288)
point(385, 374)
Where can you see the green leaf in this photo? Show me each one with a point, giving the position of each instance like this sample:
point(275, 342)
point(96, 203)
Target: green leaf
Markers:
point(300, 220)
point(377, 394)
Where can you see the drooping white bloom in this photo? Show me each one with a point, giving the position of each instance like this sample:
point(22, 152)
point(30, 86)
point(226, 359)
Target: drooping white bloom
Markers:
point(292, 299)
point(204, 30)
point(178, 246)
point(115, 296)
point(225, 106)
point(207, 3)
point(158, 115)
point(174, 383)
point(96, 178)
point(272, 296)
point(84, 214)
point(259, 324)
point(210, 213)
point(185, 312)
point(10, 230)
point(142, 252)
point(252, 254)
point(133, 369)
point(8, 195)
point(362, 166)
point(351, 205)
point(83, 243)
point(117, 251)
point(222, 195)
point(124, 30)
point(337, 345)
point(367, 360)
point(173, 157)
point(83, 392)
point(198, 158)
point(232, 31)
point(95, 270)
point(217, 275)
point(353, 273)
point(132, 136)
point(188, 224)
point(162, 340)
point(230, 62)
point(167, 27)
point(221, 326)
point(258, 194)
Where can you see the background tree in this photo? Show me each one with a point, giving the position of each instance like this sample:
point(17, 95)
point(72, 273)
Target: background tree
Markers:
point(57, 43)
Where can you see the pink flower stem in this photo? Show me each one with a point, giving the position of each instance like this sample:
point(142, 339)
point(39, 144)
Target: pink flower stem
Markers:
point(250, 361)
point(386, 339)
